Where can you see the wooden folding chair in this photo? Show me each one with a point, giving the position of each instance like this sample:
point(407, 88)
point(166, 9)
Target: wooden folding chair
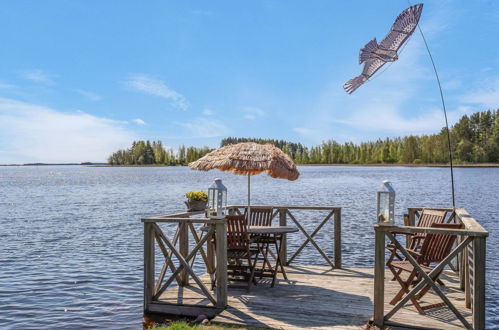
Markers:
point(434, 249)
point(261, 216)
point(241, 257)
point(427, 218)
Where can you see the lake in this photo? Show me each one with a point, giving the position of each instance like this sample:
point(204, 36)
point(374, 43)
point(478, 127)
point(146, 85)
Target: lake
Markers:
point(71, 251)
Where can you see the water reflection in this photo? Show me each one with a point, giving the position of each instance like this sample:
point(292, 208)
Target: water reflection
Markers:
point(71, 237)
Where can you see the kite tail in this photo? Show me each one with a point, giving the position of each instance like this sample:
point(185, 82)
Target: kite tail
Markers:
point(354, 83)
point(367, 50)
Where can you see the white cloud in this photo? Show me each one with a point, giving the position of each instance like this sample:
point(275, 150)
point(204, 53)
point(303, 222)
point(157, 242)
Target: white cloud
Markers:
point(208, 112)
point(204, 128)
point(33, 133)
point(139, 121)
point(152, 86)
point(252, 113)
point(38, 76)
point(89, 95)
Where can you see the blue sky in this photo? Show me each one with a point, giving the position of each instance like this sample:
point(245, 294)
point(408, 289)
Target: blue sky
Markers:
point(80, 79)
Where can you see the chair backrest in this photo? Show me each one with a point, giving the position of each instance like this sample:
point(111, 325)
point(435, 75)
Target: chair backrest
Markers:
point(259, 216)
point(428, 217)
point(237, 232)
point(437, 246)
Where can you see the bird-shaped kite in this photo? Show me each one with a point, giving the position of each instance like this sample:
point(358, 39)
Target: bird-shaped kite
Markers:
point(376, 55)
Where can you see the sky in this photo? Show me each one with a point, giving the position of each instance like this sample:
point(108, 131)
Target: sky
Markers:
point(81, 79)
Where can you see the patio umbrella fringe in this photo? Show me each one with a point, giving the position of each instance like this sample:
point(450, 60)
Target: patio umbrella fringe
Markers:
point(249, 158)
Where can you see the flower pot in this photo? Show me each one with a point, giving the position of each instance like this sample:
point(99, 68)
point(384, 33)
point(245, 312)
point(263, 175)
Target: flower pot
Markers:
point(195, 205)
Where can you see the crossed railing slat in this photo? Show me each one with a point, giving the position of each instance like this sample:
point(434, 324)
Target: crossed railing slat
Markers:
point(285, 211)
point(427, 279)
point(185, 263)
point(310, 237)
point(470, 248)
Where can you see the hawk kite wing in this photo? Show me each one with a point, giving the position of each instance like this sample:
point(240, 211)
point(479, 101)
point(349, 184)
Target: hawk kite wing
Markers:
point(404, 26)
point(375, 55)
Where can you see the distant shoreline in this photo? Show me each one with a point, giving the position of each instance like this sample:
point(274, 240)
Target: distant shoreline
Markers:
point(482, 165)
point(357, 165)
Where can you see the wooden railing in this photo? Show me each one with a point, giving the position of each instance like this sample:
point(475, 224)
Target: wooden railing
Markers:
point(176, 248)
point(285, 212)
point(180, 245)
point(470, 254)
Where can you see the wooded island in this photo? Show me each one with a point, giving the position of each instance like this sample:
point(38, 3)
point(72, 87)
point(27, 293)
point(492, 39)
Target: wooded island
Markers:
point(474, 138)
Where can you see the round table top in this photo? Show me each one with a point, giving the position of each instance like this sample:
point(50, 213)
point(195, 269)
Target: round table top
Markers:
point(271, 229)
point(267, 229)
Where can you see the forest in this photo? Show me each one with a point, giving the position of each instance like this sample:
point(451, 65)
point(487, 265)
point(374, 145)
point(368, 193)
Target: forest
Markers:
point(474, 139)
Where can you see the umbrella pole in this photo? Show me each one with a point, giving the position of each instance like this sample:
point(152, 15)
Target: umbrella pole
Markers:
point(249, 197)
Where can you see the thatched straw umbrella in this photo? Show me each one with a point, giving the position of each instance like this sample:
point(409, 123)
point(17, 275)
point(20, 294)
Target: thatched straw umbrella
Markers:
point(249, 158)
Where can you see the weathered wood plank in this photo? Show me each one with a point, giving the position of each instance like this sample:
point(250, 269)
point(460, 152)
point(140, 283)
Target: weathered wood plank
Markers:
point(479, 283)
point(318, 297)
point(183, 248)
point(337, 238)
point(379, 277)
point(291, 207)
point(149, 285)
point(159, 307)
point(178, 220)
point(221, 259)
point(284, 246)
point(470, 223)
point(430, 230)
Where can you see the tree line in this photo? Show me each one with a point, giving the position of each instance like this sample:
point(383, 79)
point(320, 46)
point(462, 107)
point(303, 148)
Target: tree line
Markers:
point(147, 153)
point(474, 139)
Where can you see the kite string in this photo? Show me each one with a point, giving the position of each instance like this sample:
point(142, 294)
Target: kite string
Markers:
point(445, 112)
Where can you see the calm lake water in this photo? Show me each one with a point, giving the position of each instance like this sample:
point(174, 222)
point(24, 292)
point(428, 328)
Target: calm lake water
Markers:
point(71, 236)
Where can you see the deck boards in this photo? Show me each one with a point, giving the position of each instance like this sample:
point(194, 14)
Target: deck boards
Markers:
point(318, 297)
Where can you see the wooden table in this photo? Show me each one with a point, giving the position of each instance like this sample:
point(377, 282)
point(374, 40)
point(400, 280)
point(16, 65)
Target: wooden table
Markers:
point(259, 230)
point(277, 232)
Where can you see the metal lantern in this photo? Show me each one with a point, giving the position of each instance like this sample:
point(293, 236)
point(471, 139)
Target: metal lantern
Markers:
point(386, 204)
point(217, 200)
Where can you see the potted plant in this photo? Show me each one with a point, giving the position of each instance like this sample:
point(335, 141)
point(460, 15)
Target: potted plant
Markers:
point(196, 200)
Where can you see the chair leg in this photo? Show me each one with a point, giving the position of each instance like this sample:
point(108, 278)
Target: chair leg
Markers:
point(265, 252)
point(404, 286)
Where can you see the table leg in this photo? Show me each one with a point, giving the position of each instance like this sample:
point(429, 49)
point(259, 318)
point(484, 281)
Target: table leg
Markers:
point(281, 245)
point(278, 264)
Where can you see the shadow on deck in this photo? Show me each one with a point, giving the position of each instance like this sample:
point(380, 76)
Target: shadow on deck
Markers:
point(318, 297)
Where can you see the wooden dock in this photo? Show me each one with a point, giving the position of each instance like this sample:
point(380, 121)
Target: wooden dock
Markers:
point(321, 297)
point(314, 296)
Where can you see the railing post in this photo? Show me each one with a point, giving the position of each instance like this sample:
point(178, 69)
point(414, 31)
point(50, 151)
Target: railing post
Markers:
point(379, 276)
point(411, 222)
point(284, 247)
point(479, 283)
point(461, 257)
point(148, 264)
point(183, 237)
point(337, 238)
point(221, 269)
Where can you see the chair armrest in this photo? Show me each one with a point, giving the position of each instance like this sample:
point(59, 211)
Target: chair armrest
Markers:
point(402, 233)
point(413, 252)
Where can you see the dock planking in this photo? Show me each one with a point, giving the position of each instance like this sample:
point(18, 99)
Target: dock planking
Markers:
point(320, 297)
